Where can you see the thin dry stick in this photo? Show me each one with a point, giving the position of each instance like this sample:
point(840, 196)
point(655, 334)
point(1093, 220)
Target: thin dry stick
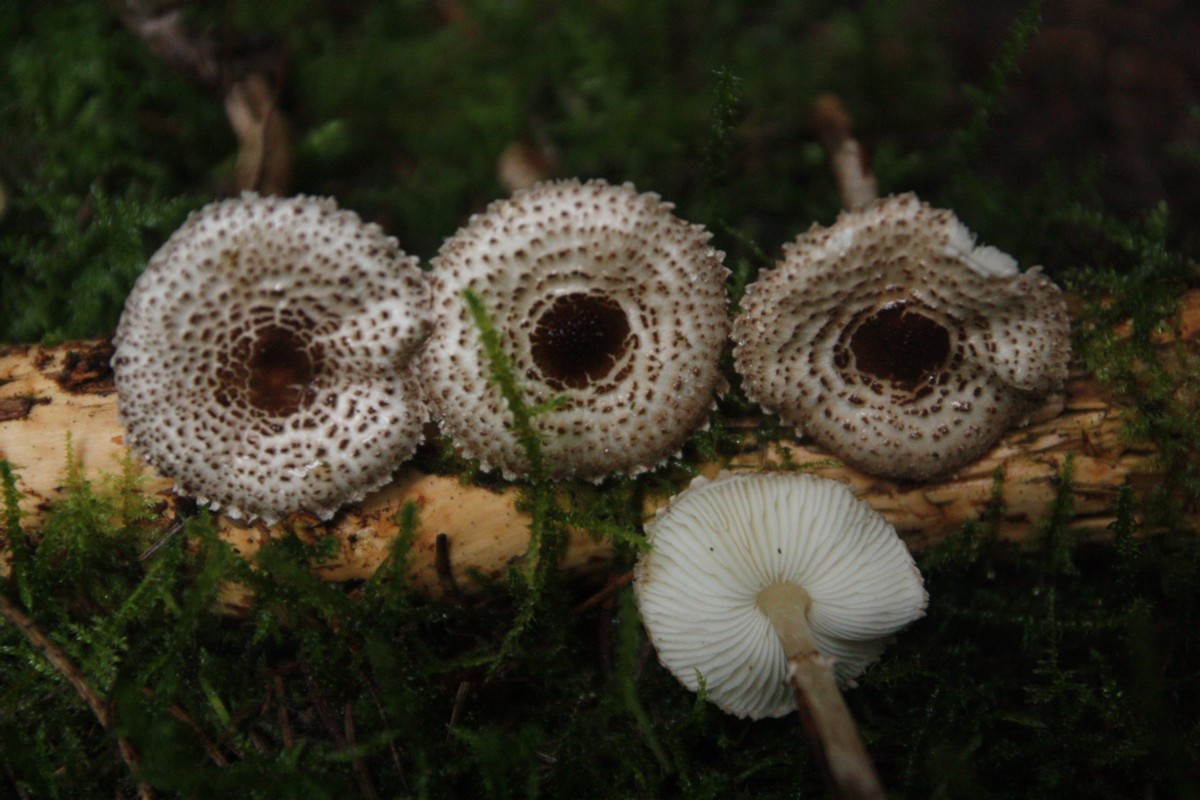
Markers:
point(614, 584)
point(241, 715)
point(22, 792)
point(371, 690)
point(58, 659)
point(165, 32)
point(259, 744)
point(831, 729)
point(847, 158)
point(460, 700)
point(285, 725)
point(210, 747)
point(365, 785)
point(323, 711)
point(264, 141)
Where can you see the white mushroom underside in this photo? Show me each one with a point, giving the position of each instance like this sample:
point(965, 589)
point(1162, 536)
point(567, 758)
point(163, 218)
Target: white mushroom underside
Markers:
point(261, 357)
point(719, 544)
point(621, 262)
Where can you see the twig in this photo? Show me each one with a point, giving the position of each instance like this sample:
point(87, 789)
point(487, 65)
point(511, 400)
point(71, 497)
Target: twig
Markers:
point(259, 744)
point(460, 699)
point(365, 784)
point(162, 540)
point(606, 621)
point(210, 747)
point(58, 659)
point(22, 792)
point(851, 168)
point(164, 32)
point(285, 725)
point(264, 140)
point(371, 689)
point(323, 711)
point(615, 584)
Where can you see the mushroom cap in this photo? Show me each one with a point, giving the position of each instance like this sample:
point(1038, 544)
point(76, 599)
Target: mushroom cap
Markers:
point(898, 343)
point(263, 358)
point(721, 542)
point(602, 299)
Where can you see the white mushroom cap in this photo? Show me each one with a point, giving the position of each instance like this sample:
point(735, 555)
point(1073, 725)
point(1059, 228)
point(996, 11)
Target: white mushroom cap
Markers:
point(602, 298)
point(262, 359)
point(898, 343)
point(724, 549)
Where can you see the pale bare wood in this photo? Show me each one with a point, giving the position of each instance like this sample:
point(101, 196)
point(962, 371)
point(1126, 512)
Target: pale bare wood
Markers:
point(47, 394)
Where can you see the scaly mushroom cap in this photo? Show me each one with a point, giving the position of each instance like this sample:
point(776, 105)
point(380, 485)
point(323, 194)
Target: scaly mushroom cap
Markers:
point(262, 359)
point(898, 343)
point(602, 298)
point(723, 548)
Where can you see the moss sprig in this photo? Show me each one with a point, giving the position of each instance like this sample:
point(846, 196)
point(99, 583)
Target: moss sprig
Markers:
point(966, 142)
point(547, 535)
point(1138, 289)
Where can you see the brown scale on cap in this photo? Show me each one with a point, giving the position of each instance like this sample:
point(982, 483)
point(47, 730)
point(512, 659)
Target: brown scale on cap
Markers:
point(602, 298)
point(262, 360)
point(898, 343)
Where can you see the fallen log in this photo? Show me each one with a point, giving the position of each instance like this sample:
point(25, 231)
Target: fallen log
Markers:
point(52, 395)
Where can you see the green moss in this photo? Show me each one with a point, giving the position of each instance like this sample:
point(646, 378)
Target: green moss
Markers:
point(1026, 665)
point(104, 152)
point(1140, 280)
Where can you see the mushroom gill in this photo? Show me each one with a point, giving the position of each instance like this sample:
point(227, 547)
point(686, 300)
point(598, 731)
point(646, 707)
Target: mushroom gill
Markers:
point(748, 570)
point(605, 302)
point(262, 359)
point(898, 343)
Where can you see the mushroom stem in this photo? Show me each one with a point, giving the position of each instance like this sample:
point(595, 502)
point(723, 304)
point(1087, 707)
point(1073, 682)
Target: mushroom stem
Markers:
point(847, 158)
point(786, 606)
point(831, 730)
point(827, 721)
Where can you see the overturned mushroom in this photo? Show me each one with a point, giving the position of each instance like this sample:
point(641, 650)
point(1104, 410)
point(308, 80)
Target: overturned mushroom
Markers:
point(262, 357)
point(773, 589)
point(898, 343)
point(605, 301)
point(739, 564)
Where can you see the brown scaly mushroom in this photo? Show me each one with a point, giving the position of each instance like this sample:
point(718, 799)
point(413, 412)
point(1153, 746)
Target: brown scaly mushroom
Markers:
point(262, 359)
point(898, 343)
point(774, 589)
point(604, 300)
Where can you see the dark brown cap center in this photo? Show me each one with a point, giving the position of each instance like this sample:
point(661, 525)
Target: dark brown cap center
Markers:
point(900, 345)
point(280, 371)
point(579, 339)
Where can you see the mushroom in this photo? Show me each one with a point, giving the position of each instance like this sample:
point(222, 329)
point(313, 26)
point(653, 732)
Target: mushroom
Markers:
point(611, 312)
point(745, 563)
point(263, 358)
point(898, 343)
point(773, 589)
